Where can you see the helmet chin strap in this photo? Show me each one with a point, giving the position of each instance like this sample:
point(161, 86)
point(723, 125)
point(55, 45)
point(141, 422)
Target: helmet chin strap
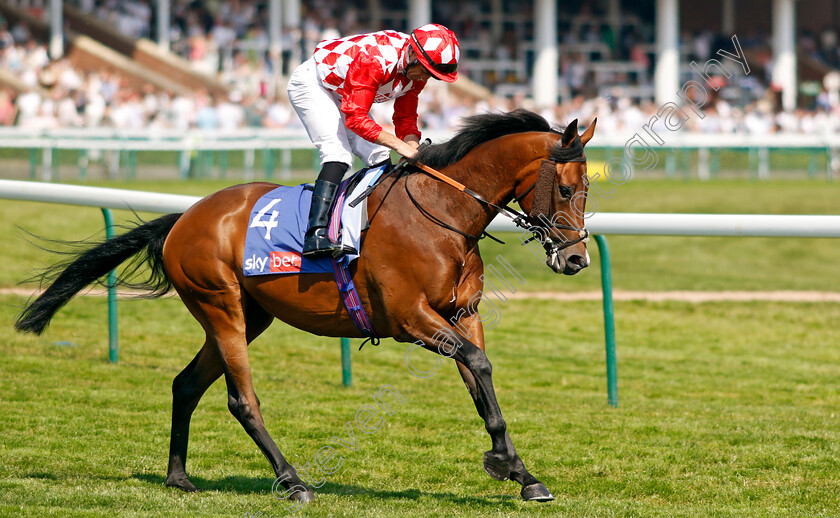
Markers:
point(409, 64)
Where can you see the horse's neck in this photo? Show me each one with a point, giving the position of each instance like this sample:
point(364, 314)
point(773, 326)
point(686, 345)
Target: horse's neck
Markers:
point(493, 169)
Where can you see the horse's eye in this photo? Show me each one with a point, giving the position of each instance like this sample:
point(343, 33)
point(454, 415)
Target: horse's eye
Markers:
point(565, 192)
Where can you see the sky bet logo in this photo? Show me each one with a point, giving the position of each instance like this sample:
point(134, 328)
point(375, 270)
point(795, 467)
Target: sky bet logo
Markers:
point(277, 262)
point(284, 262)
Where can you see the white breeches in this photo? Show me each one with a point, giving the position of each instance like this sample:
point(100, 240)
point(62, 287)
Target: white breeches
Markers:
point(318, 109)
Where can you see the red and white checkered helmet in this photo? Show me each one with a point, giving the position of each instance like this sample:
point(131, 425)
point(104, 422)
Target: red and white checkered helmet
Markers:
point(436, 47)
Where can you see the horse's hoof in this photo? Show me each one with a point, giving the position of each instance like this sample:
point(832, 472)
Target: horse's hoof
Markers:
point(182, 483)
point(303, 496)
point(497, 469)
point(536, 492)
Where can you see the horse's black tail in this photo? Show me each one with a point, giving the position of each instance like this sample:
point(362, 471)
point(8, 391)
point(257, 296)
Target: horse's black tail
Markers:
point(68, 277)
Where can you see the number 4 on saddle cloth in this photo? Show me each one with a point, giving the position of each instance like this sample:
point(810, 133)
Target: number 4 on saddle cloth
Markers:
point(279, 220)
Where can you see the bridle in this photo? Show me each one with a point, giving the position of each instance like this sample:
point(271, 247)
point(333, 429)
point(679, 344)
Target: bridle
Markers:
point(543, 189)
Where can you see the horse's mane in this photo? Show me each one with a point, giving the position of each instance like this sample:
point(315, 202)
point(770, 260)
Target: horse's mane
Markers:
point(478, 129)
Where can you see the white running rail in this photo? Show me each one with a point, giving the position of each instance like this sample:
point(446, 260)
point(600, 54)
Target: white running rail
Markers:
point(95, 196)
point(746, 225)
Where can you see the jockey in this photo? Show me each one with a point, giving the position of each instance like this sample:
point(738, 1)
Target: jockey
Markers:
point(333, 92)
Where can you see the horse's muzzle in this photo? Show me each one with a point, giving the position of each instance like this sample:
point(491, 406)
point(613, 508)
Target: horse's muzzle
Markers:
point(567, 263)
point(574, 264)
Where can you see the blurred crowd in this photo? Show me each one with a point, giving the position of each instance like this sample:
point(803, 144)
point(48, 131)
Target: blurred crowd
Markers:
point(822, 46)
point(58, 95)
point(228, 38)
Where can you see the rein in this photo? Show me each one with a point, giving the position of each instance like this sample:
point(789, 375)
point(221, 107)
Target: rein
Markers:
point(461, 187)
point(543, 189)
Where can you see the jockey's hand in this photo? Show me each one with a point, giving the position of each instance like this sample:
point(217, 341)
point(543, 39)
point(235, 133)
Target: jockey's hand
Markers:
point(406, 148)
point(412, 141)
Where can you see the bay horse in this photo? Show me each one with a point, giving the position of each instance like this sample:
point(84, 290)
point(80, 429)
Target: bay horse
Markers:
point(497, 158)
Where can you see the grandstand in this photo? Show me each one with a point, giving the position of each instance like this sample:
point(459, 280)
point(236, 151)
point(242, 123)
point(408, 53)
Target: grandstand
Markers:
point(222, 65)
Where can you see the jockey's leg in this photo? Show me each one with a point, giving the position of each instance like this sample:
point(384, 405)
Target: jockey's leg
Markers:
point(318, 109)
point(317, 242)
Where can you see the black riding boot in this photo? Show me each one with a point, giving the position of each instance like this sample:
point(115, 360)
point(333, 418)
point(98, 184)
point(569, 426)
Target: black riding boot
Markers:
point(317, 242)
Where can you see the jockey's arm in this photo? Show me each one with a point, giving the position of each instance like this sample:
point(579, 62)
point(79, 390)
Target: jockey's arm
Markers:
point(406, 148)
point(364, 76)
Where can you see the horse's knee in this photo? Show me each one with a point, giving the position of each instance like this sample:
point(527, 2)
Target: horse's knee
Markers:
point(481, 368)
point(236, 406)
point(479, 364)
point(241, 409)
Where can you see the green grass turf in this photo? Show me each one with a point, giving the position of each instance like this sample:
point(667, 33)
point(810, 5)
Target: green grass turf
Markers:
point(725, 410)
point(639, 262)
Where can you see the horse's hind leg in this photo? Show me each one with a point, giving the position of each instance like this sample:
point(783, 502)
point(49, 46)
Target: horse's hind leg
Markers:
point(245, 406)
point(188, 388)
point(222, 314)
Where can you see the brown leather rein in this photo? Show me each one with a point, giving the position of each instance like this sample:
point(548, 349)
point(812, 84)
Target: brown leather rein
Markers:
point(543, 189)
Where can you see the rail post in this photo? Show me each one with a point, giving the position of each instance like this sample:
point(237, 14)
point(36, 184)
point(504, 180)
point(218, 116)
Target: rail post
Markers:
point(113, 346)
point(33, 164)
point(609, 320)
point(268, 155)
point(83, 164)
point(223, 163)
point(346, 375)
point(132, 164)
point(47, 164)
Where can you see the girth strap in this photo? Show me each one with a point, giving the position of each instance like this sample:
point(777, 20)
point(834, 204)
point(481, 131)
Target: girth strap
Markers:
point(352, 301)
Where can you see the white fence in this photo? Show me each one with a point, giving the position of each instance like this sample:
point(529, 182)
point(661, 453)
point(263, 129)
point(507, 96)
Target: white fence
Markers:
point(599, 223)
point(95, 196)
point(250, 141)
point(257, 138)
point(743, 225)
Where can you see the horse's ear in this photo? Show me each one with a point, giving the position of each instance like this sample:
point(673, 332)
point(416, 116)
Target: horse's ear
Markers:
point(570, 133)
point(587, 135)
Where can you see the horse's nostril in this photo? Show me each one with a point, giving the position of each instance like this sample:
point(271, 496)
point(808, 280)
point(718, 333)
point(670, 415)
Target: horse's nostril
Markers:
point(578, 260)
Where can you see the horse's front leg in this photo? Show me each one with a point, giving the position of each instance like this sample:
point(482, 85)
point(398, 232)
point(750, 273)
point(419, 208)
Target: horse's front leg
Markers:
point(532, 489)
point(438, 336)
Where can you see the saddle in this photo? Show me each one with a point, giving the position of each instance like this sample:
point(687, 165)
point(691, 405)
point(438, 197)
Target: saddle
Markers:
point(279, 219)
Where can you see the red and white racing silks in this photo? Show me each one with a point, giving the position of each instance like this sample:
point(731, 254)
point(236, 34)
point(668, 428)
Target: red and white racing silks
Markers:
point(368, 68)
